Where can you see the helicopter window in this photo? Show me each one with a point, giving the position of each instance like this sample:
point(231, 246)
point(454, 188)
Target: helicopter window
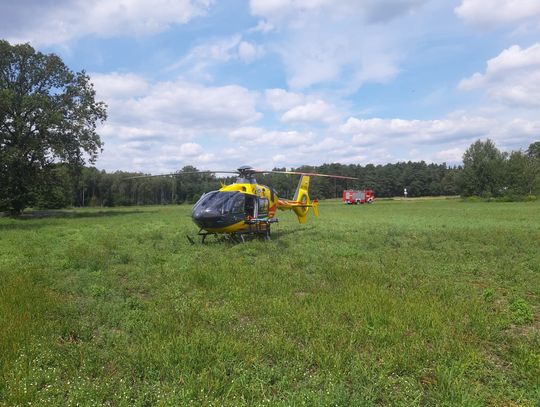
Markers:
point(223, 202)
point(204, 200)
point(263, 206)
point(236, 203)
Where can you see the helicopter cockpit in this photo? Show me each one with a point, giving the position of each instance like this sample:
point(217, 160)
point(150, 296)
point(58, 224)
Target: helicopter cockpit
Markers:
point(219, 209)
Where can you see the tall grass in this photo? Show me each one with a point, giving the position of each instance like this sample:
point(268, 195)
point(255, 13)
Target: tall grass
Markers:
point(396, 303)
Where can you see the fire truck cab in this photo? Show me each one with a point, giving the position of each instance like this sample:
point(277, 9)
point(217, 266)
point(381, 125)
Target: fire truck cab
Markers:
point(353, 197)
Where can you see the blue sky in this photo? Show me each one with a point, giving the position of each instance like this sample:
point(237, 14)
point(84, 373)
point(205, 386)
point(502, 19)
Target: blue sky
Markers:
point(218, 84)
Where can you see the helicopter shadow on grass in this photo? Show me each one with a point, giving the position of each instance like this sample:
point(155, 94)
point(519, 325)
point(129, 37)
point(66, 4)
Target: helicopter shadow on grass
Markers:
point(24, 221)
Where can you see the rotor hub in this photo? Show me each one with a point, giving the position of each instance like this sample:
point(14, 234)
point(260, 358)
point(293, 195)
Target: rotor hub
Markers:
point(246, 175)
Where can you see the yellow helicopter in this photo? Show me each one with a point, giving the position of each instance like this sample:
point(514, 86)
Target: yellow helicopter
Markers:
point(246, 208)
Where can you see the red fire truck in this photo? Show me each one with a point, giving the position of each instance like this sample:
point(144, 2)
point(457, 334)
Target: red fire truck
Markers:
point(351, 196)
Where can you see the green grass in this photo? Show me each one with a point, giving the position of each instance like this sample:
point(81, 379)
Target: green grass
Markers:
point(397, 303)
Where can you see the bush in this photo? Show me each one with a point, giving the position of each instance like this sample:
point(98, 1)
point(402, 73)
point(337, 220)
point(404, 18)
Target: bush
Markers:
point(508, 197)
point(513, 197)
point(472, 198)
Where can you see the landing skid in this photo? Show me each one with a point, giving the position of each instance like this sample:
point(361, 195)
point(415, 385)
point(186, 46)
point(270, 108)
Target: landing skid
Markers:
point(258, 228)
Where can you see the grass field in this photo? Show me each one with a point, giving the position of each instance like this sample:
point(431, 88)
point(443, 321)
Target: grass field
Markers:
point(398, 303)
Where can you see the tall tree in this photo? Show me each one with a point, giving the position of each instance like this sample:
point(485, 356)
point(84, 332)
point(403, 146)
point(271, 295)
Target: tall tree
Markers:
point(48, 115)
point(483, 169)
point(522, 173)
point(534, 150)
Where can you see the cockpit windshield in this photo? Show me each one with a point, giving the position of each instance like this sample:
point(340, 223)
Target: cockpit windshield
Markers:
point(221, 202)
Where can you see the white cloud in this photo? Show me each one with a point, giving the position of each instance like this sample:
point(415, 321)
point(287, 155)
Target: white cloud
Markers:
point(498, 12)
point(370, 10)
point(222, 50)
point(298, 107)
point(279, 158)
point(451, 155)
point(249, 52)
point(50, 22)
point(184, 105)
point(191, 149)
point(299, 148)
point(322, 54)
point(455, 128)
point(317, 111)
point(513, 77)
point(167, 119)
point(262, 137)
point(203, 57)
point(275, 9)
point(328, 144)
point(346, 43)
point(280, 99)
point(263, 27)
point(116, 85)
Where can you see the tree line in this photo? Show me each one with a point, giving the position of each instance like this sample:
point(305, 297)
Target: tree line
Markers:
point(89, 186)
point(486, 172)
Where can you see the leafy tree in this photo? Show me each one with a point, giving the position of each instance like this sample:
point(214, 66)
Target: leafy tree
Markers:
point(522, 172)
point(483, 169)
point(534, 150)
point(48, 114)
point(56, 189)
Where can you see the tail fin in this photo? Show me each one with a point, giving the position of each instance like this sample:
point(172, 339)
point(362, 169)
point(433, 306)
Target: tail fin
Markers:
point(300, 203)
point(301, 198)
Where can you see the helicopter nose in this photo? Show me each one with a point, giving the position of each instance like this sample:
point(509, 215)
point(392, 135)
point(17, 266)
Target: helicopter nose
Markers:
point(207, 213)
point(206, 217)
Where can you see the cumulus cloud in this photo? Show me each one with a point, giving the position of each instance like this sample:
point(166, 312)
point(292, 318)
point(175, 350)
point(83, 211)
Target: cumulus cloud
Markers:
point(456, 128)
point(326, 41)
point(281, 99)
point(167, 118)
point(317, 111)
point(489, 13)
point(191, 149)
point(450, 155)
point(52, 22)
point(297, 107)
point(259, 136)
point(322, 54)
point(184, 105)
point(513, 77)
point(279, 158)
point(115, 85)
point(295, 148)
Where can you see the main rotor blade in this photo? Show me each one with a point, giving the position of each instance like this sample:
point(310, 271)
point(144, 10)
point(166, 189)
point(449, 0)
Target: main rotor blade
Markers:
point(311, 174)
point(177, 174)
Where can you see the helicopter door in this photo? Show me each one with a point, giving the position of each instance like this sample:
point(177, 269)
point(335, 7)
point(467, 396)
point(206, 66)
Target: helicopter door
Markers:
point(251, 206)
